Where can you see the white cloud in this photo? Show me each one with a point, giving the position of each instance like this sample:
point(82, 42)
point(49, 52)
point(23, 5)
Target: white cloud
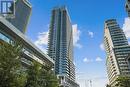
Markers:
point(98, 59)
point(86, 60)
point(126, 27)
point(102, 46)
point(76, 36)
point(91, 34)
point(42, 41)
point(42, 38)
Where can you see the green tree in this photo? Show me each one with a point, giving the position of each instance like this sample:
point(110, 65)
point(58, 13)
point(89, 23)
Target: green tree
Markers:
point(41, 76)
point(11, 74)
point(123, 81)
point(52, 80)
point(108, 85)
point(48, 78)
point(33, 75)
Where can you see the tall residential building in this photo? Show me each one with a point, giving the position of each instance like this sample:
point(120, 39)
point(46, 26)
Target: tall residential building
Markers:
point(117, 50)
point(22, 15)
point(128, 11)
point(128, 7)
point(60, 46)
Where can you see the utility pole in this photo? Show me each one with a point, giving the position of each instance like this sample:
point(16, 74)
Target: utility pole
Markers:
point(90, 83)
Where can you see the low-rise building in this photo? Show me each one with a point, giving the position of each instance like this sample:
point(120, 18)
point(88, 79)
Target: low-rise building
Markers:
point(9, 32)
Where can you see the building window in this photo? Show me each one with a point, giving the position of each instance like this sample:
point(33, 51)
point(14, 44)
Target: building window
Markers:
point(5, 38)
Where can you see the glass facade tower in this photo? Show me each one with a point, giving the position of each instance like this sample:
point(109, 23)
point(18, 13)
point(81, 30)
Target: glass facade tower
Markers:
point(60, 45)
point(117, 50)
point(22, 14)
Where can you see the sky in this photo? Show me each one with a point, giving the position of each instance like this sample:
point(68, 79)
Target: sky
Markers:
point(87, 18)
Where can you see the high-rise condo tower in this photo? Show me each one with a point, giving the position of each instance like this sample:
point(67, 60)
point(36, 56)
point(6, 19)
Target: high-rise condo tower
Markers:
point(117, 50)
point(60, 46)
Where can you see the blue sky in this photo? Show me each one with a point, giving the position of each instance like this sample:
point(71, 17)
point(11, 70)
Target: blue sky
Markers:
point(88, 17)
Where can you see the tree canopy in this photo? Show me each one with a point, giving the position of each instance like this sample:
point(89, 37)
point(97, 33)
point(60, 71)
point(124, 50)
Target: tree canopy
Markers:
point(123, 81)
point(10, 66)
point(13, 74)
